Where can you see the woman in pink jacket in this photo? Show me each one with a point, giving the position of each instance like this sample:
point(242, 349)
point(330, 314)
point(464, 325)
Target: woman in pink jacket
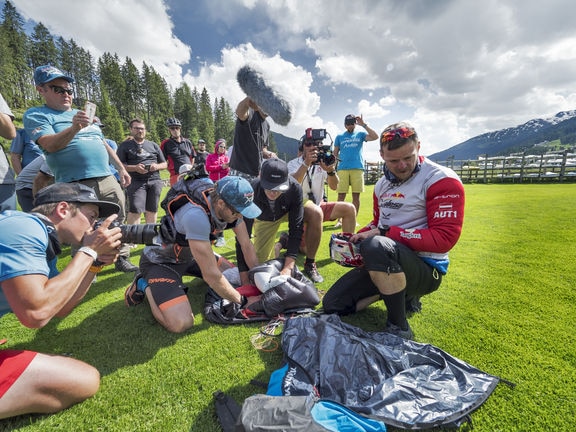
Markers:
point(217, 163)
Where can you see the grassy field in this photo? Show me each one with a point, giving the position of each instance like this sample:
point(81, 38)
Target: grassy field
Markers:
point(507, 307)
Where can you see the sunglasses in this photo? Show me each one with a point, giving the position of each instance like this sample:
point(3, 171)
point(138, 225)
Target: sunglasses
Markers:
point(392, 134)
point(174, 127)
point(61, 90)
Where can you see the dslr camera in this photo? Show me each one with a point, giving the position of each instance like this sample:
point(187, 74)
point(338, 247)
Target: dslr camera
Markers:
point(146, 234)
point(325, 153)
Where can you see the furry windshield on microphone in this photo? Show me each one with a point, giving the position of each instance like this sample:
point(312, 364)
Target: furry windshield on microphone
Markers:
point(253, 84)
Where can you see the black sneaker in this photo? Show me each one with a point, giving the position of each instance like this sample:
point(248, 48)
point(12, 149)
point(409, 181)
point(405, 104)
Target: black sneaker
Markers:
point(397, 331)
point(124, 265)
point(413, 305)
point(134, 295)
point(311, 272)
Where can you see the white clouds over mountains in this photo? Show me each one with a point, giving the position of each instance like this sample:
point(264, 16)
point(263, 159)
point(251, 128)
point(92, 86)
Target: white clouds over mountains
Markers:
point(455, 69)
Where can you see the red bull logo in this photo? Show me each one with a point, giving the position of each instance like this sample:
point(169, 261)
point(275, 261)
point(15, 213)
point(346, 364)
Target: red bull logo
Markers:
point(395, 195)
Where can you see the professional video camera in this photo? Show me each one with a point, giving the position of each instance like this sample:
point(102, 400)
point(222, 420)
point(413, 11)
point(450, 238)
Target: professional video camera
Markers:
point(325, 153)
point(146, 234)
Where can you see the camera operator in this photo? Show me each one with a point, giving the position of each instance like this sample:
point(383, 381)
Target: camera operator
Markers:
point(314, 166)
point(32, 287)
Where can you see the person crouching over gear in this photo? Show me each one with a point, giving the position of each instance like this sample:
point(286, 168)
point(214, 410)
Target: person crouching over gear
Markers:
point(196, 211)
point(418, 215)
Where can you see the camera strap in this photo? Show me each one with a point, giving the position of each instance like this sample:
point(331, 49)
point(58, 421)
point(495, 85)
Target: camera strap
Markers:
point(313, 167)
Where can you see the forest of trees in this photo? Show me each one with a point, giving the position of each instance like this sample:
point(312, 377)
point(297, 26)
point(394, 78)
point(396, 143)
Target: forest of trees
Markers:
point(120, 89)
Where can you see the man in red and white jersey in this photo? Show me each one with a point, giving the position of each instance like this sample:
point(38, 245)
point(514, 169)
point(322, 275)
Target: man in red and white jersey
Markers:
point(418, 210)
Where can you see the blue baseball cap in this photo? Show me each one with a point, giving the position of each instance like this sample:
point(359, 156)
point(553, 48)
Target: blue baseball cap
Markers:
point(47, 73)
point(238, 194)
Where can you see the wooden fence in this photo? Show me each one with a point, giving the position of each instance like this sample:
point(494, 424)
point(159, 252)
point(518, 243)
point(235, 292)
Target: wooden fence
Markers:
point(516, 168)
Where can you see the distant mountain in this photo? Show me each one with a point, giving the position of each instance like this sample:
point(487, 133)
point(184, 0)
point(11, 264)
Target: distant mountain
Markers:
point(287, 147)
point(515, 139)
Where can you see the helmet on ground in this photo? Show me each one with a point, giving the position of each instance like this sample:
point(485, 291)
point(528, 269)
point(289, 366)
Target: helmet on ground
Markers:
point(344, 252)
point(173, 121)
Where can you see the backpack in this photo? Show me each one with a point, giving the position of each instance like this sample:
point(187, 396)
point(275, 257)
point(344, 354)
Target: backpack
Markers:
point(194, 188)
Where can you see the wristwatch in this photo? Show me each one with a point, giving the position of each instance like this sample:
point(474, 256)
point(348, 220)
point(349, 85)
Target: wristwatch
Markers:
point(384, 230)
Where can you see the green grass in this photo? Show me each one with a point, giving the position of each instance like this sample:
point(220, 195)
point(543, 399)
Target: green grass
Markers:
point(507, 307)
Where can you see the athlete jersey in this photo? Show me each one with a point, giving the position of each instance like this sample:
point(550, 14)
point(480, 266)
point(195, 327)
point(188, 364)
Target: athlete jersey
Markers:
point(425, 212)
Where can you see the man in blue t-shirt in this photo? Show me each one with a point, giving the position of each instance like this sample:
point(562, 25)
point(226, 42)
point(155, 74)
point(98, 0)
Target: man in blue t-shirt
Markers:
point(74, 146)
point(32, 288)
point(23, 150)
point(348, 150)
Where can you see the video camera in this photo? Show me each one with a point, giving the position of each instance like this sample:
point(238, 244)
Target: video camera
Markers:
point(325, 153)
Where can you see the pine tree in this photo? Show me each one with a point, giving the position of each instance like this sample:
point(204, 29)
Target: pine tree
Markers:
point(111, 81)
point(15, 70)
point(133, 96)
point(42, 47)
point(206, 120)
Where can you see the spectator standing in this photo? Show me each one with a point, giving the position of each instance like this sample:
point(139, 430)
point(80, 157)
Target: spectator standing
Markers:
point(312, 173)
point(348, 150)
point(201, 154)
point(32, 287)
point(23, 150)
point(74, 147)
point(217, 163)
point(143, 159)
point(418, 215)
point(218, 167)
point(177, 150)
point(25, 190)
point(7, 178)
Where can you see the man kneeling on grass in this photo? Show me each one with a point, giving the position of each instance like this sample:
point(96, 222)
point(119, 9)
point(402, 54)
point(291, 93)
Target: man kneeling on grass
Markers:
point(197, 210)
point(35, 291)
point(418, 215)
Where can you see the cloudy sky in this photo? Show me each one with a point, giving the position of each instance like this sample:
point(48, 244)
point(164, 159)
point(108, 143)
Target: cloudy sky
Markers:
point(453, 68)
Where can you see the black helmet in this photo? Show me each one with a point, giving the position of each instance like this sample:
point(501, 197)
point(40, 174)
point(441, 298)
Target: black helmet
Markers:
point(173, 121)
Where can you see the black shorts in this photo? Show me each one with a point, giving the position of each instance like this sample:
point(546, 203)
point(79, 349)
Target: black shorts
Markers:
point(144, 195)
point(385, 255)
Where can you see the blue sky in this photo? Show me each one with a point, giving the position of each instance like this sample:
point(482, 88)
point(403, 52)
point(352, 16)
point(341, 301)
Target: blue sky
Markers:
point(452, 68)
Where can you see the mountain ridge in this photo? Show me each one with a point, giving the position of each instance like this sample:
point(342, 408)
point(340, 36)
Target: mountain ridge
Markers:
point(561, 126)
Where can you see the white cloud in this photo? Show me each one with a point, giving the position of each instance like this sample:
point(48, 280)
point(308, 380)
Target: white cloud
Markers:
point(139, 29)
point(454, 69)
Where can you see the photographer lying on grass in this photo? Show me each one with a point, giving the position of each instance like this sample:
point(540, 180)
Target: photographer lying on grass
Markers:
point(35, 291)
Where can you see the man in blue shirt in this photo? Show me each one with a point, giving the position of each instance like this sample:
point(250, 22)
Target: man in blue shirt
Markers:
point(23, 150)
point(348, 150)
point(33, 289)
point(75, 148)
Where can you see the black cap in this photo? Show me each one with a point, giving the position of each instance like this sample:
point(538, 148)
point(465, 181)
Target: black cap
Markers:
point(74, 193)
point(274, 175)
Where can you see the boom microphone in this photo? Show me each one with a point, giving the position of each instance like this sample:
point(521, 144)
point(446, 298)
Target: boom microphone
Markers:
point(253, 84)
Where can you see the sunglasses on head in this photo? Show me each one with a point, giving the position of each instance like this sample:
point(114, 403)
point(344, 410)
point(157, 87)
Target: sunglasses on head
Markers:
point(61, 90)
point(392, 134)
